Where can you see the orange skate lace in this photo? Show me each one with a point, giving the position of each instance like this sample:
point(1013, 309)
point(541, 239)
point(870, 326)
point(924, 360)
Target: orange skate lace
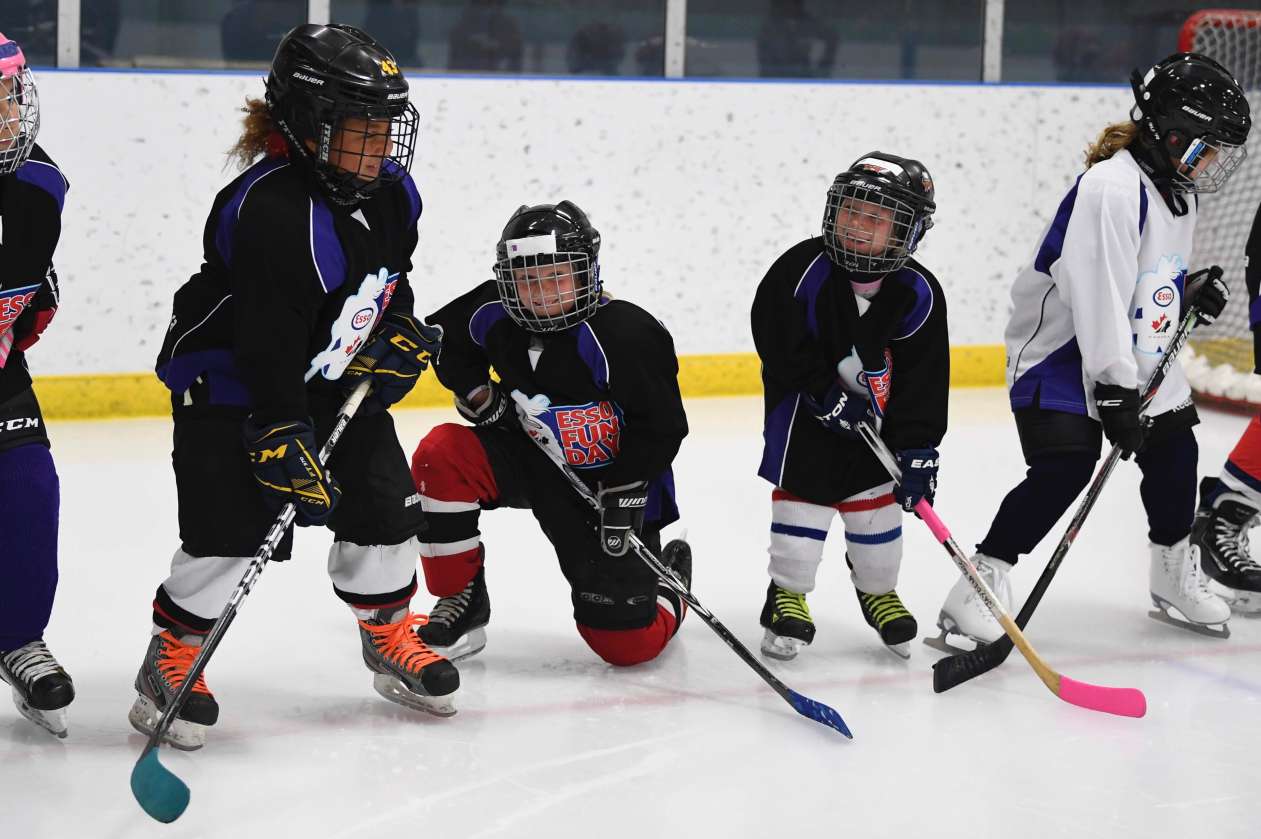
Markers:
point(399, 643)
point(174, 660)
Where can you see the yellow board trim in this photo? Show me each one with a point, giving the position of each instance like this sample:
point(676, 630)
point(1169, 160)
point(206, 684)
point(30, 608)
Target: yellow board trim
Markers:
point(736, 374)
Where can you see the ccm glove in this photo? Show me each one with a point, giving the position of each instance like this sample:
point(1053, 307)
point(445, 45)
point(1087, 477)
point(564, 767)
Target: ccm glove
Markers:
point(621, 511)
point(395, 356)
point(286, 465)
point(1208, 291)
point(841, 411)
point(919, 477)
point(1118, 411)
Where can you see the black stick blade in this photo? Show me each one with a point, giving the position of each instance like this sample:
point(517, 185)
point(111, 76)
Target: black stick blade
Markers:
point(957, 669)
point(818, 712)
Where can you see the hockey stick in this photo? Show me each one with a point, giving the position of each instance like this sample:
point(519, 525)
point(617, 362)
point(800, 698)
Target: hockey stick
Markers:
point(957, 669)
point(802, 704)
point(1126, 702)
point(162, 795)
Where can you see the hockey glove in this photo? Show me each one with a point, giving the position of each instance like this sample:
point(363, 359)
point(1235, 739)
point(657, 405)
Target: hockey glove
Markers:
point(395, 356)
point(919, 477)
point(286, 465)
point(1207, 290)
point(621, 511)
point(1118, 411)
point(494, 409)
point(38, 314)
point(841, 411)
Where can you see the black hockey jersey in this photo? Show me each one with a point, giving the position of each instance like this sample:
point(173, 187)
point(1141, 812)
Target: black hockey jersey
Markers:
point(31, 200)
point(615, 411)
point(806, 321)
point(290, 288)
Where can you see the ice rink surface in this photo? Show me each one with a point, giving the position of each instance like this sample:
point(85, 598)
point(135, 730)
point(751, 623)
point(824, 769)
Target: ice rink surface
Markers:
point(551, 742)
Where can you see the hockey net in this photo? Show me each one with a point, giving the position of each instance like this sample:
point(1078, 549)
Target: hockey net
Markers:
point(1218, 360)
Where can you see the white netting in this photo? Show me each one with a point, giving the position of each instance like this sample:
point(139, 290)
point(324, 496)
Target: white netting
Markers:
point(1221, 365)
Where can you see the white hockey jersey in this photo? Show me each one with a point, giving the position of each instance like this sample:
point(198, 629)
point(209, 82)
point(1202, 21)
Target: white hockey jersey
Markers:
point(1103, 295)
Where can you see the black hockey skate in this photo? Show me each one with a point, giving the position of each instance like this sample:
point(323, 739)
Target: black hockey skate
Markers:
point(677, 556)
point(41, 688)
point(407, 670)
point(457, 624)
point(886, 614)
point(1221, 533)
point(789, 626)
point(164, 669)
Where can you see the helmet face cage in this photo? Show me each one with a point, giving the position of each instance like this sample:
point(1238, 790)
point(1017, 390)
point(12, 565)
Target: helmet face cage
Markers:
point(543, 288)
point(859, 213)
point(358, 153)
point(1206, 166)
point(19, 108)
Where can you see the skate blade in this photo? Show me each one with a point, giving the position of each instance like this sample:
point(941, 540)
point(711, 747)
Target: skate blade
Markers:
point(391, 688)
point(781, 647)
point(182, 734)
point(951, 641)
point(466, 646)
point(1221, 630)
point(902, 651)
point(54, 722)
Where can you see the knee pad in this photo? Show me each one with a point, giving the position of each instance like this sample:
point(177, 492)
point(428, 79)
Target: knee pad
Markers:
point(628, 647)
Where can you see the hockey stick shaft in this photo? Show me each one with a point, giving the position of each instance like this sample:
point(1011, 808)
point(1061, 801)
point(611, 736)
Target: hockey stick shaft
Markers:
point(957, 669)
point(1128, 702)
point(802, 704)
point(264, 553)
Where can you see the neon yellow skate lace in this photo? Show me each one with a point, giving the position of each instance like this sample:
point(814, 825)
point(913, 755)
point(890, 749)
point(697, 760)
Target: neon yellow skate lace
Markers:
point(789, 604)
point(883, 607)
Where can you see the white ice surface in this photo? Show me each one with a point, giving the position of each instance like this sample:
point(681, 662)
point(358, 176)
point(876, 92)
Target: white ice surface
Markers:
point(550, 741)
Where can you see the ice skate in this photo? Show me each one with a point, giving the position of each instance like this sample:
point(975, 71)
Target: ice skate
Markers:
point(41, 688)
point(1221, 534)
point(677, 556)
point(1180, 592)
point(457, 624)
point(965, 621)
point(886, 614)
point(407, 670)
point(164, 669)
point(788, 624)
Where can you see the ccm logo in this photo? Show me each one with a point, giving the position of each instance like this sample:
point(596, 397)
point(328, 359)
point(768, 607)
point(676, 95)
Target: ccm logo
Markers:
point(21, 423)
point(1163, 296)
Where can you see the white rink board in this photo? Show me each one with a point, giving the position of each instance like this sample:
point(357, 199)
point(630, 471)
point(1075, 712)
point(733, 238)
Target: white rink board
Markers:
point(696, 186)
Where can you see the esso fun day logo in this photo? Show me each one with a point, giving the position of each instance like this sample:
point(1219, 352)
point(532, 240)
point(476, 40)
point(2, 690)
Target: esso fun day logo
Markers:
point(362, 318)
point(13, 303)
point(589, 435)
point(1163, 296)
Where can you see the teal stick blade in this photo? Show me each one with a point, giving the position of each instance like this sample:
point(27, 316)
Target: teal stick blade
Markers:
point(162, 795)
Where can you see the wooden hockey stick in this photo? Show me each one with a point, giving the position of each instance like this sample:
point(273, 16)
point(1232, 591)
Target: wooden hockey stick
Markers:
point(1126, 702)
point(957, 669)
point(802, 704)
point(162, 795)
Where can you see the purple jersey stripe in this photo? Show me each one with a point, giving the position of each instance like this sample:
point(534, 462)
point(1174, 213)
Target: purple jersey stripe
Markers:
point(326, 248)
point(225, 233)
point(46, 177)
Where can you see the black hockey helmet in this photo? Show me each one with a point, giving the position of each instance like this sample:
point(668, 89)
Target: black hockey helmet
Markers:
point(878, 188)
point(323, 76)
point(1193, 121)
point(540, 250)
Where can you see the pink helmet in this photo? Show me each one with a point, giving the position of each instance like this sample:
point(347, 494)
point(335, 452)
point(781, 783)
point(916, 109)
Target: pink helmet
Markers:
point(19, 107)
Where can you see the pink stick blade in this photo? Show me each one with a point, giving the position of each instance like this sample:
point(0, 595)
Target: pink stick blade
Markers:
point(1124, 702)
point(934, 522)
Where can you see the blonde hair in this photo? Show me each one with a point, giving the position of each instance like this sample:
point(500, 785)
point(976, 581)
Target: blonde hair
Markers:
point(256, 128)
point(1111, 140)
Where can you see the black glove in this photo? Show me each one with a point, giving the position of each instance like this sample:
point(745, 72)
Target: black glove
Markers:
point(1118, 411)
point(1208, 291)
point(496, 410)
point(621, 510)
point(919, 477)
point(395, 356)
point(841, 410)
point(286, 465)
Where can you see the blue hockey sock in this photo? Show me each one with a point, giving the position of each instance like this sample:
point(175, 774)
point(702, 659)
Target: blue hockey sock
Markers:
point(29, 501)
